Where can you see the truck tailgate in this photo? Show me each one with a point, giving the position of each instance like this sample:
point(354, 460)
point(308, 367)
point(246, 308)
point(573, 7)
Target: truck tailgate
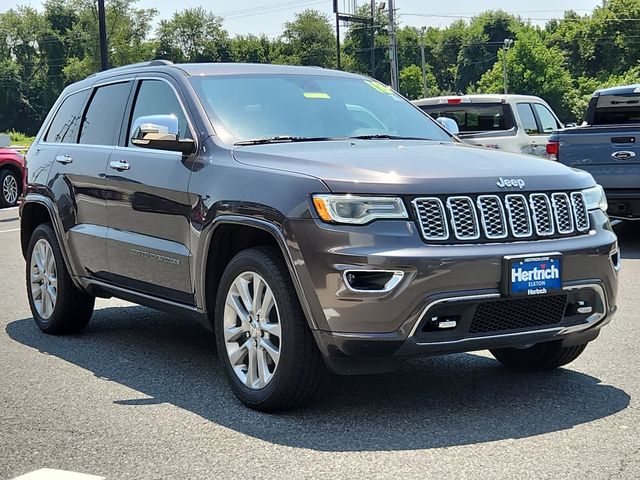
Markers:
point(611, 154)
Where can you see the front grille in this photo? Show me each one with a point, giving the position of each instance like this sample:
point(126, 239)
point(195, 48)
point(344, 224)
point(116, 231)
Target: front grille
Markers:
point(509, 217)
point(464, 218)
point(518, 313)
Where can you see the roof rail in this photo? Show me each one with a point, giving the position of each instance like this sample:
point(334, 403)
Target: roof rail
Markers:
point(152, 63)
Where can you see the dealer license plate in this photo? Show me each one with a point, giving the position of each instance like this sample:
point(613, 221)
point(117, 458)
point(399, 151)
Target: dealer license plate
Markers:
point(533, 275)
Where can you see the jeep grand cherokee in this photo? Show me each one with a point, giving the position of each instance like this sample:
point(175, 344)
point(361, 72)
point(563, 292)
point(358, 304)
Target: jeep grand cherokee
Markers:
point(315, 219)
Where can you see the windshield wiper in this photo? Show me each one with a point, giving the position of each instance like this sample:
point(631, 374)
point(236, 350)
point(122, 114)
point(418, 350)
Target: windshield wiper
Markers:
point(285, 139)
point(386, 136)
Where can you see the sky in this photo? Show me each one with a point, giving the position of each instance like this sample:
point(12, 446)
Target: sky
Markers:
point(268, 16)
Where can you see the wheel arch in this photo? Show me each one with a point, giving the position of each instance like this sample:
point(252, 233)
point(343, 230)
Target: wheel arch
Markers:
point(34, 211)
point(231, 234)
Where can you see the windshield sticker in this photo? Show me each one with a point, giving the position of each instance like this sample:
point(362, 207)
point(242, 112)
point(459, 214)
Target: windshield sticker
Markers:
point(316, 95)
point(380, 87)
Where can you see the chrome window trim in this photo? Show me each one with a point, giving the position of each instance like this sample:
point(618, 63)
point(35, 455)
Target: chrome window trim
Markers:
point(529, 232)
point(443, 212)
point(475, 217)
point(535, 216)
point(569, 213)
point(591, 320)
point(573, 195)
point(119, 147)
point(396, 278)
point(502, 213)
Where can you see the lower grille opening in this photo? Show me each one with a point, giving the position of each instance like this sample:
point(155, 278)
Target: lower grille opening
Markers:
point(518, 313)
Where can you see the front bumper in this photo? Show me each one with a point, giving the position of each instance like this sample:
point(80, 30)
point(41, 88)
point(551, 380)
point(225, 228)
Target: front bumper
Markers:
point(352, 324)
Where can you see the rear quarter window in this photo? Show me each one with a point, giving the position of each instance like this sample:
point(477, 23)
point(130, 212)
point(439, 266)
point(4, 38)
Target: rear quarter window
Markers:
point(65, 123)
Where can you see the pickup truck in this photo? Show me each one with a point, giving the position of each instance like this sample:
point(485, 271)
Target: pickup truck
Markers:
point(512, 123)
point(606, 146)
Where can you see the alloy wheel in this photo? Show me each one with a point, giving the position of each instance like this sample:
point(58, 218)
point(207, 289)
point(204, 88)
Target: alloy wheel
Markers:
point(252, 330)
point(10, 189)
point(43, 279)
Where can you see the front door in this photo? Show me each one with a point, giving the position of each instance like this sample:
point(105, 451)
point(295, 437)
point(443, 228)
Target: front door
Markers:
point(148, 205)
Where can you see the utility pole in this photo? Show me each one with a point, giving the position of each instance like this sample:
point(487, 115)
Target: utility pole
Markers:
point(337, 39)
point(393, 47)
point(424, 65)
point(508, 43)
point(102, 26)
point(373, 38)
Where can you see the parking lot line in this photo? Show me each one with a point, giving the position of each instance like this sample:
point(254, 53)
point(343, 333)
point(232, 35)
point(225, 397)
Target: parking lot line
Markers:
point(12, 230)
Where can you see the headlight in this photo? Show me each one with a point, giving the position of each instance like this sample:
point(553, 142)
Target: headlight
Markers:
point(358, 210)
point(595, 198)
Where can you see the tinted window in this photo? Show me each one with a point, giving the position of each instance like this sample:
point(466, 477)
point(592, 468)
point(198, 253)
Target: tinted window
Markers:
point(101, 124)
point(156, 97)
point(547, 120)
point(246, 107)
point(528, 119)
point(473, 117)
point(618, 109)
point(64, 127)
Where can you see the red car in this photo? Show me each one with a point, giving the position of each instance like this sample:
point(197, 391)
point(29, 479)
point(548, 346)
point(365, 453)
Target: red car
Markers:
point(12, 176)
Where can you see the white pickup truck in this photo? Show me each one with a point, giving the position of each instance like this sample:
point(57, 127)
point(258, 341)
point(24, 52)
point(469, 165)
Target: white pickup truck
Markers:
point(513, 123)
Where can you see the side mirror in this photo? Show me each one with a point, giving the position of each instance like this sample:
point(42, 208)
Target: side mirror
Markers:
point(449, 124)
point(160, 132)
point(570, 125)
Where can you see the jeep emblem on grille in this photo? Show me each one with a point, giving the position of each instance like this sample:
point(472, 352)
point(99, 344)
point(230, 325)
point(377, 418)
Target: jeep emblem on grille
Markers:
point(510, 182)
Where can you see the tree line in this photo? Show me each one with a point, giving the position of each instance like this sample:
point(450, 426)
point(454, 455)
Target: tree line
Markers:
point(563, 62)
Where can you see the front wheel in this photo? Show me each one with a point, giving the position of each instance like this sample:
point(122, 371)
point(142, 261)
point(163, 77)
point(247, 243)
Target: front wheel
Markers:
point(264, 343)
point(542, 356)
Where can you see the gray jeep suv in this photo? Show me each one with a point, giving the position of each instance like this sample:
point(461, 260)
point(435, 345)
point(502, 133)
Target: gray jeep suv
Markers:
point(314, 219)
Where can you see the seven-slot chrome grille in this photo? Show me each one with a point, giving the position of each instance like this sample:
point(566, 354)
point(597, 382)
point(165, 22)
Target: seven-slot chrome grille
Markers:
point(501, 217)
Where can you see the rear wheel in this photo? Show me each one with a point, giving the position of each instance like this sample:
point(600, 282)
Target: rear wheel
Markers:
point(9, 188)
point(57, 305)
point(264, 344)
point(542, 356)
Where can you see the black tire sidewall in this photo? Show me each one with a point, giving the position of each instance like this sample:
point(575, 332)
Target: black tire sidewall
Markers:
point(288, 309)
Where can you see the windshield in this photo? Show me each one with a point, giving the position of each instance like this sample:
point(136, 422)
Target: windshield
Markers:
point(252, 107)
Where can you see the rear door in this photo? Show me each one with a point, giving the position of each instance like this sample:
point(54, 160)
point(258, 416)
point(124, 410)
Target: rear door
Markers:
point(87, 135)
point(148, 206)
point(538, 122)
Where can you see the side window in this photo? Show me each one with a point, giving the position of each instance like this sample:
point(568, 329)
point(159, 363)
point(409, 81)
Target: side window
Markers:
point(103, 118)
point(64, 127)
point(156, 97)
point(547, 120)
point(528, 119)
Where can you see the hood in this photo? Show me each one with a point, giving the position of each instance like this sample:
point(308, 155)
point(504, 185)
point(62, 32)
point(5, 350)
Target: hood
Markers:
point(413, 167)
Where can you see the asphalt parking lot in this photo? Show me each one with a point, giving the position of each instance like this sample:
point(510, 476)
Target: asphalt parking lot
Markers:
point(140, 394)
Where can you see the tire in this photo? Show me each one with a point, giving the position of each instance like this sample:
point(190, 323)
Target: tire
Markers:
point(539, 357)
point(70, 309)
point(9, 189)
point(299, 370)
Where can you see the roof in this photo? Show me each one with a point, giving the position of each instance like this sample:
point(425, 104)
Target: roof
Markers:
point(194, 69)
point(621, 90)
point(486, 98)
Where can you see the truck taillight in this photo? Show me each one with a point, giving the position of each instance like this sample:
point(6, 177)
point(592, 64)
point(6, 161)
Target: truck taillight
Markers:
point(553, 149)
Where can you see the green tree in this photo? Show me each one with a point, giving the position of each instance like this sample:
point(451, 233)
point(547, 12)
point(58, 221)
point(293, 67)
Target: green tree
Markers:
point(250, 49)
point(193, 35)
point(308, 40)
point(411, 82)
point(533, 68)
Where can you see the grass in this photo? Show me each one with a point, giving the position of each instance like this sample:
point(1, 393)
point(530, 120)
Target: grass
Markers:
point(20, 139)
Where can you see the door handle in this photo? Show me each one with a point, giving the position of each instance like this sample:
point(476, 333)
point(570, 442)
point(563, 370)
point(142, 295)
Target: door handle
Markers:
point(119, 165)
point(64, 159)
